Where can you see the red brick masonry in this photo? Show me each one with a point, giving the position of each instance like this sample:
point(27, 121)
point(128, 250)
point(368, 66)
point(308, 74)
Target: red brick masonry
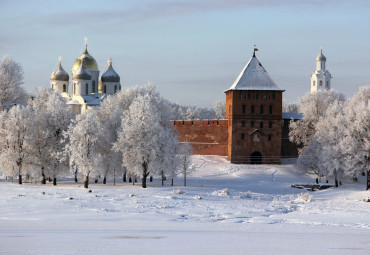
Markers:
point(207, 137)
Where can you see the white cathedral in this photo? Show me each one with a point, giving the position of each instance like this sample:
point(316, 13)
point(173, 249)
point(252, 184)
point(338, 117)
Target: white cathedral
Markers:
point(87, 90)
point(320, 78)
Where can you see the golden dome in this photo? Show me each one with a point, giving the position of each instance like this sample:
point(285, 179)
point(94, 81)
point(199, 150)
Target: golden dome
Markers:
point(88, 60)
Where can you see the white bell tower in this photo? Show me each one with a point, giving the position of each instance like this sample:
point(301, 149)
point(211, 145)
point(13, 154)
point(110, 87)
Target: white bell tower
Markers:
point(320, 78)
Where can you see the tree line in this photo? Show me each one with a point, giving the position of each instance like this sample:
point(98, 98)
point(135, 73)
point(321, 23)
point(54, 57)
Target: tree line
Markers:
point(334, 134)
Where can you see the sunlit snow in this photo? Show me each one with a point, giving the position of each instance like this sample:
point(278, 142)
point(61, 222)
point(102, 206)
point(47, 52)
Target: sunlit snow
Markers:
point(225, 209)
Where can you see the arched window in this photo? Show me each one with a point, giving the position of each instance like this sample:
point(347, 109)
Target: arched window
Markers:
point(74, 89)
point(320, 83)
point(115, 88)
point(64, 88)
point(87, 89)
point(93, 87)
point(243, 123)
point(52, 86)
point(105, 89)
point(327, 84)
point(314, 83)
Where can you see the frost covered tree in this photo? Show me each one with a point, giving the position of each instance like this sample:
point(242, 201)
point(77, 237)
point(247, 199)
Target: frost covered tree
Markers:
point(83, 135)
point(356, 133)
point(185, 153)
point(330, 135)
point(167, 161)
point(313, 106)
point(192, 113)
point(11, 79)
point(110, 116)
point(141, 136)
point(290, 107)
point(308, 160)
point(51, 118)
point(219, 108)
point(15, 128)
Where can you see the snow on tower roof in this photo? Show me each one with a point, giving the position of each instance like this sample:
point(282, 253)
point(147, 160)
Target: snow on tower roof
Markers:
point(254, 77)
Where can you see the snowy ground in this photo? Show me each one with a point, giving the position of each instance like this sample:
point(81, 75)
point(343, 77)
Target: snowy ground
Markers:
point(259, 213)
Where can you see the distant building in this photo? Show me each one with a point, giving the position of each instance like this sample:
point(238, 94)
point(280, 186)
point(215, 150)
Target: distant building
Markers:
point(87, 89)
point(255, 131)
point(320, 78)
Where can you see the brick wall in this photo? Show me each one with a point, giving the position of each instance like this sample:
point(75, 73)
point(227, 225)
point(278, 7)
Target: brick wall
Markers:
point(207, 137)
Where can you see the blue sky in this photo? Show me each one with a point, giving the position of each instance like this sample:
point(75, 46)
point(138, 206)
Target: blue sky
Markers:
point(191, 49)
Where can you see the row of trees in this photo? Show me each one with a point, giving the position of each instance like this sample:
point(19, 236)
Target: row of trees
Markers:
point(129, 135)
point(179, 112)
point(334, 134)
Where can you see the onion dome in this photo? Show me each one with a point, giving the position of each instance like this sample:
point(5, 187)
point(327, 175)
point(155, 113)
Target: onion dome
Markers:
point(110, 75)
point(59, 74)
point(321, 57)
point(87, 59)
point(81, 73)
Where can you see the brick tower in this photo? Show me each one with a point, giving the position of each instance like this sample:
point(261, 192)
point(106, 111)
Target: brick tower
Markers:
point(254, 111)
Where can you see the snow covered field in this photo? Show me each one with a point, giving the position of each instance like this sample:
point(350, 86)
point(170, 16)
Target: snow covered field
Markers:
point(225, 209)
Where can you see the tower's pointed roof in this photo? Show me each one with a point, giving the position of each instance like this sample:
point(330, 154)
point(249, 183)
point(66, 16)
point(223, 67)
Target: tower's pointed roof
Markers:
point(254, 77)
point(59, 74)
point(110, 75)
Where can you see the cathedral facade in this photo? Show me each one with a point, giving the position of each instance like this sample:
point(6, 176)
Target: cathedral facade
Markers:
point(87, 90)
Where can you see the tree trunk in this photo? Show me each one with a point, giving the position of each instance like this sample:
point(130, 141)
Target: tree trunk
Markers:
point(124, 177)
point(151, 179)
point(172, 182)
point(129, 179)
point(368, 180)
point(143, 181)
point(19, 179)
point(54, 181)
point(145, 174)
point(185, 178)
point(76, 175)
point(336, 179)
point(105, 180)
point(43, 181)
point(86, 183)
point(96, 179)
